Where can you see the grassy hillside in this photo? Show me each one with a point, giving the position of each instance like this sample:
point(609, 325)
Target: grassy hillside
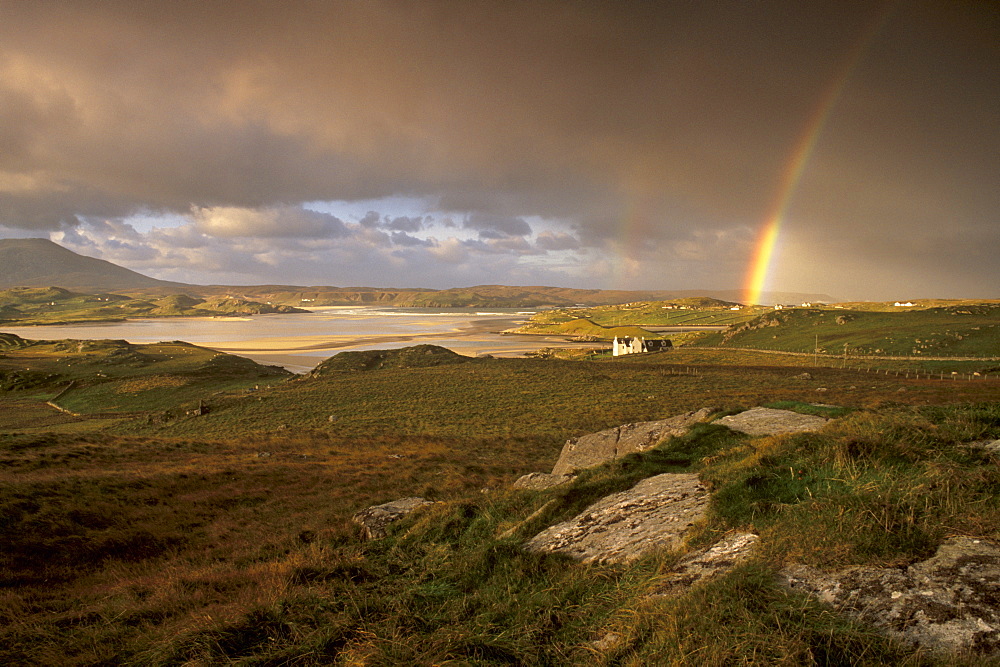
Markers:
point(480, 296)
point(154, 382)
point(582, 328)
point(956, 330)
point(24, 306)
point(522, 402)
point(224, 538)
point(418, 356)
point(694, 311)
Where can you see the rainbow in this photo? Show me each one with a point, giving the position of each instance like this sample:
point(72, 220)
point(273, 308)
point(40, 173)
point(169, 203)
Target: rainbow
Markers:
point(767, 238)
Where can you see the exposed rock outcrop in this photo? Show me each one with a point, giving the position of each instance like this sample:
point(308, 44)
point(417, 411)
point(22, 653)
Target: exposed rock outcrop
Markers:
point(375, 519)
point(768, 421)
point(656, 512)
point(949, 602)
point(597, 448)
point(707, 563)
point(989, 445)
point(539, 481)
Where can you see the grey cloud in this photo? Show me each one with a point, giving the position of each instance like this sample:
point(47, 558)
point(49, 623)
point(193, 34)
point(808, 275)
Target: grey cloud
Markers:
point(496, 226)
point(370, 219)
point(557, 241)
point(404, 239)
point(661, 118)
point(276, 222)
point(405, 224)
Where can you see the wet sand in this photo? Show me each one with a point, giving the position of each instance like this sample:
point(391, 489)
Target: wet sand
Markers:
point(479, 337)
point(476, 331)
point(298, 342)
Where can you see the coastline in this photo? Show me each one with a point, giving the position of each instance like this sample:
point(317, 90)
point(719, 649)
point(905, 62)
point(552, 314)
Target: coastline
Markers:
point(280, 341)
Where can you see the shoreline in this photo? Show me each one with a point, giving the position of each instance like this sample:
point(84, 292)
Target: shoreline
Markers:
point(472, 335)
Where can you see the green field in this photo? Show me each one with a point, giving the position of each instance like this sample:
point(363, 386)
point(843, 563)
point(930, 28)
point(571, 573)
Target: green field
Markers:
point(136, 533)
point(702, 311)
point(951, 331)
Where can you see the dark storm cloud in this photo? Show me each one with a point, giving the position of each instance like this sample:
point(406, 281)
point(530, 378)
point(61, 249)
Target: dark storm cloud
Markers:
point(657, 132)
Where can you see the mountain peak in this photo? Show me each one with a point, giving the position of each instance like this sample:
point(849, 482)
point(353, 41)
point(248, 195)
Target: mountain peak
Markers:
point(39, 262)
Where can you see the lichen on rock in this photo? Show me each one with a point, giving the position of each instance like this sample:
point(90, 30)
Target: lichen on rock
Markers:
point(947, 603)
point(656, 512)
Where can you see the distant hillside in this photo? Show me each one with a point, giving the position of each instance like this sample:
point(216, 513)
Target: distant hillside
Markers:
point(957, 330)
point(482, 296)
point(22, 306)
point(42, 263)
point(585, 329)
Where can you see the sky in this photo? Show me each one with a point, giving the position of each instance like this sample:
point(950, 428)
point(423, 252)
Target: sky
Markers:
point(846, 148)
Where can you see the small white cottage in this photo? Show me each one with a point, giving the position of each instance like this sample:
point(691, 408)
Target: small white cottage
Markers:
point(627, 345)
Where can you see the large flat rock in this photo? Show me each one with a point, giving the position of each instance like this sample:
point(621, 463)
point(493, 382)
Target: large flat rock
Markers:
point(657, 512)
point(597, 448)
point(947, 603)
point(769, 421)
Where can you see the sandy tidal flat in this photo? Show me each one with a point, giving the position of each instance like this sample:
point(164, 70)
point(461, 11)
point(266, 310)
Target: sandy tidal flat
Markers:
point(300, 341)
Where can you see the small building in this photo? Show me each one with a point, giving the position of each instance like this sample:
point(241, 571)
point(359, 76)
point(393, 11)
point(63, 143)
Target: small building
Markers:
point(629, 345)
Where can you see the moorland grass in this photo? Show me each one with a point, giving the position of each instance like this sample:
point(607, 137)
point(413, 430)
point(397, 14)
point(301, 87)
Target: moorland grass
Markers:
point(204, 551)
point(225, 538)
point(545, 401)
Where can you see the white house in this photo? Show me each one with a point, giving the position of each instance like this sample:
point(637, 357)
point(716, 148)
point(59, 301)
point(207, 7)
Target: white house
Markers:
point(626, 345)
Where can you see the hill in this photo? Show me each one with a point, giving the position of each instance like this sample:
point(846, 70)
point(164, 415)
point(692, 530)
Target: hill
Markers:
point(21, 306)
point(41, 263)
point(699, 311)
point(115, 379)
point(418, 356)
point(485, 296)
point(583, 328)
point(959, 330)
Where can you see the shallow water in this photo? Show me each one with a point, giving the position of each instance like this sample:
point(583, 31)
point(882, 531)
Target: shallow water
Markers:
point(300, 341)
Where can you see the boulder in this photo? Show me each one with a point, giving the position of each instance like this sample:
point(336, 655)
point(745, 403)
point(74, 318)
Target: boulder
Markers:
point(947, 603)
point(597, 448)
point(375, 519)
point(655, 513)
point(707, 563)
point(768, 421)
point(539, 481)
point(992, 446)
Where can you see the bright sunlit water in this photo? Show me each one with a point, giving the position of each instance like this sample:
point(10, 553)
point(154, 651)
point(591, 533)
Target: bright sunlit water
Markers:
point(300, 341)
